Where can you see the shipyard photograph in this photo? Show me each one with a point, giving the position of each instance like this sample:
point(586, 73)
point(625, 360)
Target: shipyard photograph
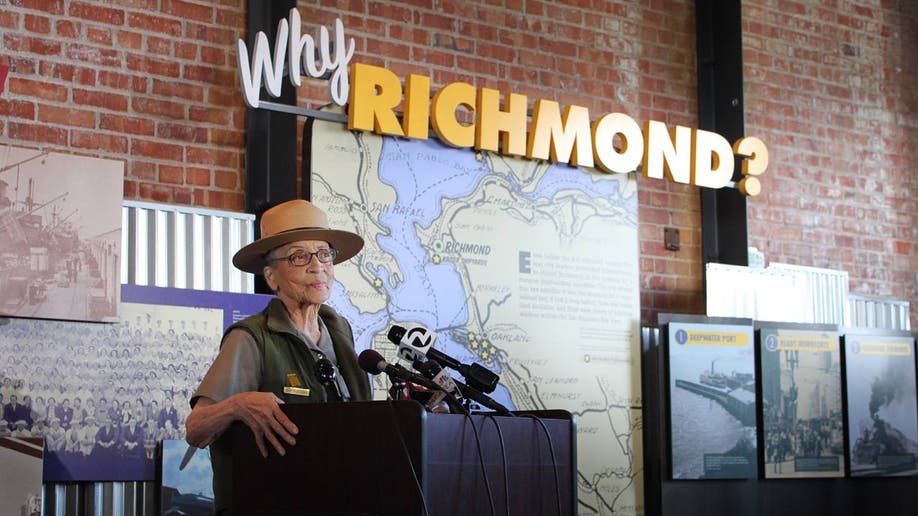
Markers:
point(712, 401)
point(60, 235)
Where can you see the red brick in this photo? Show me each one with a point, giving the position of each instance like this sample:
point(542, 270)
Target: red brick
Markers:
point(227, 138)
point(153, 149)
point(158, 108)
point(220, 158)
point(141, 170)
point(17, 109)
point(97, 13)
point(210, 115)
point(9, 20)
point(187, 10)
point(37, 89)
point(144, 64)
point(198, 176)
point(66, 116)
point(27, 45)
point(50, 6)
point(209, 74)
point(159, 46)
point(181, 132)
point(98, 141)
point(128, 39)
point(227, 180)
point(39, 24)
point(126, 124)
point(37, 133)
point(100, 36)
point(68, 28)
point(170, 174)
point(106, 100)
point(221, 96)
point(95, 55)
point(186, 50)
point(130, 189)
point(178, 89)
point(210, 34)
point(182, 195)
point(155, 24)
point(213, 55)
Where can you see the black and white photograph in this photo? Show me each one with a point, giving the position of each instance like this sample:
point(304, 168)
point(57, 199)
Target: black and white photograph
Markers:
point(20, 475)
point(712, 401)
point(882, 409)
point(802, 403)
point(104, 395)
point(60, 235)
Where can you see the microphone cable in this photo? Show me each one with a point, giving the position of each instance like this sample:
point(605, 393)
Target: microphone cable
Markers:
point(484, 471)
point(414, 473)
point(503, 454)
point(554, 461)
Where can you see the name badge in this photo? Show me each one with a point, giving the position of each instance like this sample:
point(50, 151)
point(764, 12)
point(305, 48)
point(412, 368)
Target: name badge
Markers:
point(296, 391)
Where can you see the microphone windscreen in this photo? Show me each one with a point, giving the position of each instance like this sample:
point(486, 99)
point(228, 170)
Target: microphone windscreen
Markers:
point(369, 360)
point(396, 333)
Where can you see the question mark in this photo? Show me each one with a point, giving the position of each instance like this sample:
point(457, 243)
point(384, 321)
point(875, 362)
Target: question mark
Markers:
point(756, 154)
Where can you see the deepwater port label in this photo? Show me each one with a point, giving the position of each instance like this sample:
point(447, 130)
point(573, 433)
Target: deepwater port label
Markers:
point(711, 338)
point(877, 347)
point(799, 343)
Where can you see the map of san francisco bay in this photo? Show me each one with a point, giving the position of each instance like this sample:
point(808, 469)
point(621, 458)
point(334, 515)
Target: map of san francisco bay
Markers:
point(526, 267)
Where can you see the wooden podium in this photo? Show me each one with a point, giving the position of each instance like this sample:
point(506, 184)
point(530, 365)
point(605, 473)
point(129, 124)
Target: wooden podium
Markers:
point(379, 457)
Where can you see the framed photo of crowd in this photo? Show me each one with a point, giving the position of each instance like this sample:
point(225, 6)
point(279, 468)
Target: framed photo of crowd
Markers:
point(104, 395)
point(802, 423)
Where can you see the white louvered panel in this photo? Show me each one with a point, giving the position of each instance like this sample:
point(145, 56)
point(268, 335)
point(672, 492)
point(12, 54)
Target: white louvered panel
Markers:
point(872, 312)
point(180, 247)
point(781, 292)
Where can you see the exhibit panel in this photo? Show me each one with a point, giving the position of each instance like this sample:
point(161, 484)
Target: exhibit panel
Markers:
point(882, 410)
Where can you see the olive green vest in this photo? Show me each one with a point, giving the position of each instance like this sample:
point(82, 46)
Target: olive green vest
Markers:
point(287, 362)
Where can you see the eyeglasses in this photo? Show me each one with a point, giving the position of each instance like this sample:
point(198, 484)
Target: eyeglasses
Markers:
point(301, 258)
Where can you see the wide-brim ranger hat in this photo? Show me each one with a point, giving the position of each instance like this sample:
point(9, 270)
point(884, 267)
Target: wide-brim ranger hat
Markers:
point(289, 222)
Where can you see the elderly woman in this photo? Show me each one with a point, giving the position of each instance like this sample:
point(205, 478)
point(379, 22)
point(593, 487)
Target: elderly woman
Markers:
point(270, 358)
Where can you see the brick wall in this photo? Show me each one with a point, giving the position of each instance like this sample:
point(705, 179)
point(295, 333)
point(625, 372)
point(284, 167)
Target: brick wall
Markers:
point(833, 88)
point(829, 89)
point(149, 82)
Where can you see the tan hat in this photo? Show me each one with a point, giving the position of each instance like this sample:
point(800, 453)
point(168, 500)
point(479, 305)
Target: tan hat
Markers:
point(289, 222)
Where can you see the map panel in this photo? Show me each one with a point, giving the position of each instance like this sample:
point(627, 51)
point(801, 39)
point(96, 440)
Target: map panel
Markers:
point(526, 267)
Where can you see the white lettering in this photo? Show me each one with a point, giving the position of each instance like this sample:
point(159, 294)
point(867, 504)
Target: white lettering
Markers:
point(302, 56)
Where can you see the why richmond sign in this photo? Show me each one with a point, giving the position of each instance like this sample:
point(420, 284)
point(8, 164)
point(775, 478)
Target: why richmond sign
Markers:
point(499, 123)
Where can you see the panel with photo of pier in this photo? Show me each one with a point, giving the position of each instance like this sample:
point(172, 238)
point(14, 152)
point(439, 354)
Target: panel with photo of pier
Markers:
point(801, 402)
point(712, 401)
point(882, 410)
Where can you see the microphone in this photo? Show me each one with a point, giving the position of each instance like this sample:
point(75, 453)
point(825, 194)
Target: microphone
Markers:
point(432, 369)
point(418, 341)
point(327, 374)
point(441, 377)
point(372, 362)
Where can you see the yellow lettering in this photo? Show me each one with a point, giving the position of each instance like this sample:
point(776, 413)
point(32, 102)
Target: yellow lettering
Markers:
point(712, 162)
point(561, 138)
point(667, 152)
point(375, 93)
point(417, 107)
point(509, 124)
point(756, 154)
point(443, 114)
point(607, 157)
